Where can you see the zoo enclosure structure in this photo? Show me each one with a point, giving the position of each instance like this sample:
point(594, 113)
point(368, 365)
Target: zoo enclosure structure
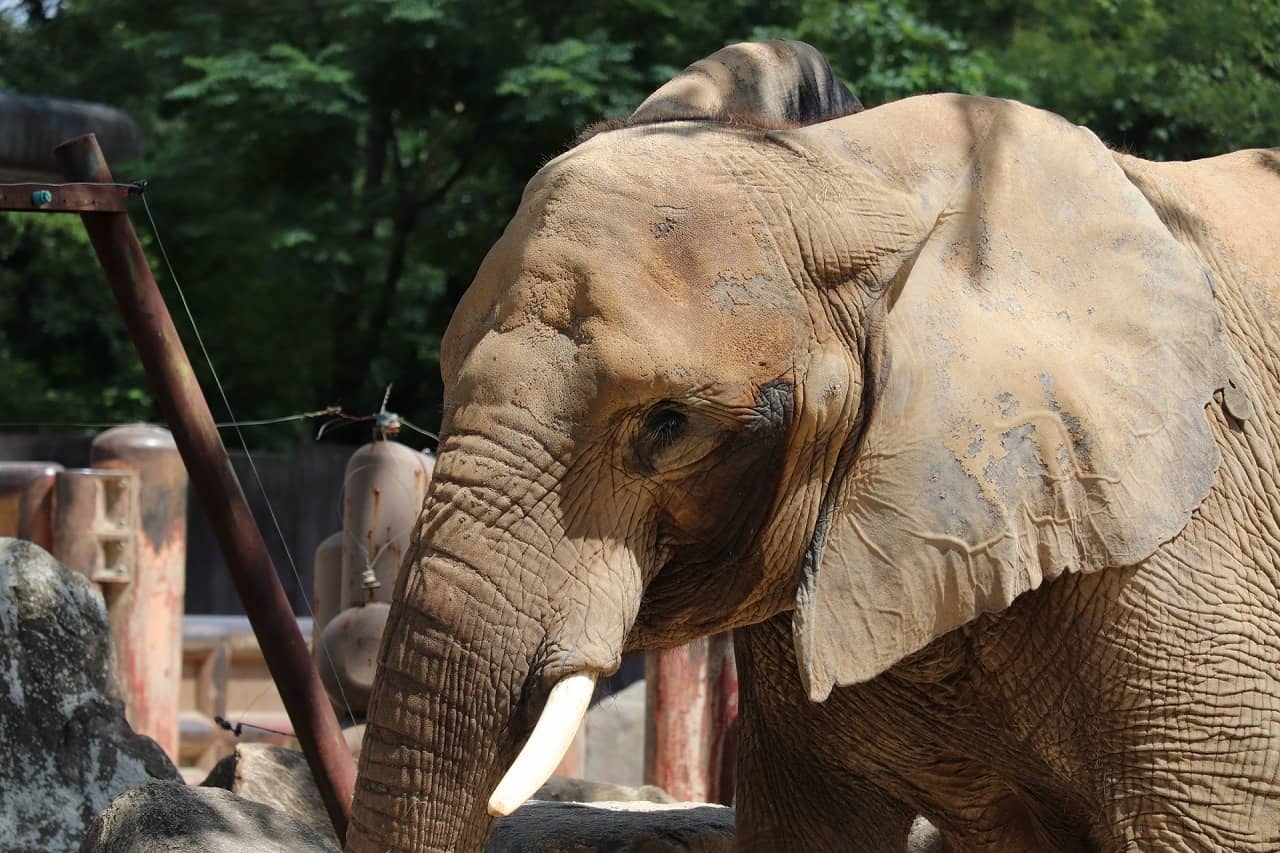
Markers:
point(100, 200)
point(692, 696)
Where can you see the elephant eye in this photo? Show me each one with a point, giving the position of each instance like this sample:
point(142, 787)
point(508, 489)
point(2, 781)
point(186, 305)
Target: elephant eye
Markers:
point(670, 439)
point(664, 426)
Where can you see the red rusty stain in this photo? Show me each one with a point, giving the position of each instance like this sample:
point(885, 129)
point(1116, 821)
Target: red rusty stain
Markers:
point(691, 709)
point(146, 613)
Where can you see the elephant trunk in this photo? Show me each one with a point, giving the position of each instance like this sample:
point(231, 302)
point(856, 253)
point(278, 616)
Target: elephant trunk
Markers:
point(476, 659)
point(438, 726)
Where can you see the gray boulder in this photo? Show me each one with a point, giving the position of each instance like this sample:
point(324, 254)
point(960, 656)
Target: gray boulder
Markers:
point(280, 778)
point(565, 789)
point(542, 827)
point(169, 817)
point(66, 750)
point(275, 776)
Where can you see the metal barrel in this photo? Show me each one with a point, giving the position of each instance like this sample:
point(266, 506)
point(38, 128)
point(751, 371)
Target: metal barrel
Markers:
point(26, 501)
point(326, 588)
point(146, 615)
point(383, 490)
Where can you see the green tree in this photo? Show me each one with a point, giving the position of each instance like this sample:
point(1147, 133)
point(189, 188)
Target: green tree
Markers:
point(328, 174)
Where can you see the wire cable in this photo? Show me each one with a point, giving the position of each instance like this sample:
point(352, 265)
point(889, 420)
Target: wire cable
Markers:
point(306, 599)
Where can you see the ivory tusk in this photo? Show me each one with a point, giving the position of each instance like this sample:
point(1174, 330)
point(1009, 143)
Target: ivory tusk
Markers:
point(555, 729)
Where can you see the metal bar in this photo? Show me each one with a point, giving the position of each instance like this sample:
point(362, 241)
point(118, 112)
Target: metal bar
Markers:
point(64, 198)
point(691, 712)
point(187, 413)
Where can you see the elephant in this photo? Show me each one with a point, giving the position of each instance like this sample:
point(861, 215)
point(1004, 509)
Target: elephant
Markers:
point(962, 422)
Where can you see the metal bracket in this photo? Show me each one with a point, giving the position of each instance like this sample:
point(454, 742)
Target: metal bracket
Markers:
point(65, 198)
point(94, 523)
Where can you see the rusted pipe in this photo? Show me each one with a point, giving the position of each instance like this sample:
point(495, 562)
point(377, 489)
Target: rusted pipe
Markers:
point(26, 501)
point(326, 589)
point(146, 614)
point(184, 407)
point(691, 712)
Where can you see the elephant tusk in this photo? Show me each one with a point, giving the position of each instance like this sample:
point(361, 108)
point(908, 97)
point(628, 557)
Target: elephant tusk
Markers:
point(556, 727)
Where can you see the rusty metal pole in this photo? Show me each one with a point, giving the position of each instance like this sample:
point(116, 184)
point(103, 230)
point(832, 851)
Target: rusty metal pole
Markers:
point(184, 407)
point(146, 614)
point(691, 709)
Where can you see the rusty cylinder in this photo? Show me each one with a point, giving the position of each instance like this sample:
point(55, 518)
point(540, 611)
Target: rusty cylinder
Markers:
point(326, 588)
point(691, 710)
point(95, 518)
point(146, 615)
point(26, 501)
point(350, 642)
point(383, 489)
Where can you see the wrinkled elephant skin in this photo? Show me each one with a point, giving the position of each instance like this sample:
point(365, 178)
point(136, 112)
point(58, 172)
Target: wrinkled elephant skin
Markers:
point(965, 423)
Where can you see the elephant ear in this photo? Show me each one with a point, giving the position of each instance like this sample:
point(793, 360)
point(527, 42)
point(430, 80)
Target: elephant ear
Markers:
point(776, 82)
point(1045, 360)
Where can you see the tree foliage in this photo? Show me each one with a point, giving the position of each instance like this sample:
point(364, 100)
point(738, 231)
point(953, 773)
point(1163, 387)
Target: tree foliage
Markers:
point(327, 174)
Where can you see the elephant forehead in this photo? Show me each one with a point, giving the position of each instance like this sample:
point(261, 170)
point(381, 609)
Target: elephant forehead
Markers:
point(624, 280)
point(566, 383)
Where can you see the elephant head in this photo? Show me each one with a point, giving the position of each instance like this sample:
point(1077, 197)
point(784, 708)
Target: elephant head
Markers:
point(753, 351)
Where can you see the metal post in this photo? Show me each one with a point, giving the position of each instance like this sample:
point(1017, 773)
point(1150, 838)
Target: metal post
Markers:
point(95, 520)
point(326, 575)
point(691, 710)
point(146, 614)
point(26, 501)
point(184, 407)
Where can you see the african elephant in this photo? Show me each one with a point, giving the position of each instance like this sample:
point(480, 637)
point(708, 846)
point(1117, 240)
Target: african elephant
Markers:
point(964, 423)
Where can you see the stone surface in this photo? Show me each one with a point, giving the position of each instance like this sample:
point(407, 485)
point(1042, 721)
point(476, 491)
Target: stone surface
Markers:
point(66, 750)
point(615, 737)
point(274, 776)
point(169, 817)
point(563, 789)
point(542, 827)
point(279, 777)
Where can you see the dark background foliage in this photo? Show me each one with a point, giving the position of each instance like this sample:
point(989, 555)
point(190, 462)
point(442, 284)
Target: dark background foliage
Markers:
point(328, 174)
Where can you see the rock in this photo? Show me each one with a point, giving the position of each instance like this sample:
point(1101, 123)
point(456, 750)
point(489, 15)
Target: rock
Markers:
point(542, 827)
point(563, 789)
point(277, 777)
point(615, 737)
point(66, 750)
point(169, 817)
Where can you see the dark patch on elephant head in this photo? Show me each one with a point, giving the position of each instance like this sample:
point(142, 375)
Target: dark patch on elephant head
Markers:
point(717, 561)
point(1269, 160)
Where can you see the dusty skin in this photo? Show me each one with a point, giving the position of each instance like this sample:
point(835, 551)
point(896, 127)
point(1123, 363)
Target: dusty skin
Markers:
point(967, 424)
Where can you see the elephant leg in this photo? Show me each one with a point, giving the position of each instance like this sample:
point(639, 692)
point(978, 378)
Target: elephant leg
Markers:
point(792, 794)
